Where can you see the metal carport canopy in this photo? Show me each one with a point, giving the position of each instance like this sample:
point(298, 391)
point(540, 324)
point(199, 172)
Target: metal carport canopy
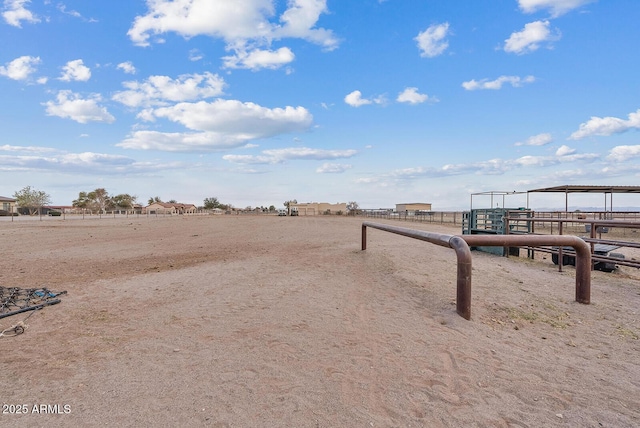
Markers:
point(574, 188)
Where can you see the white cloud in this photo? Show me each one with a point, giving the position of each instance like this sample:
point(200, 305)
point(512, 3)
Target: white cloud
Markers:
point(15, 11)
point(258, 59)
point(514, 81)
point(412, 96)
point(69, 105)
point(20, 68)
point(245, 25)
point(606, 126)
point(565, 151)
point(75, 70)
point(182, 141)
point(195, 55)
point(537, 140)
point(333, 168)
point(69, 163)
point(530, 38)
point(623, 153)
point(556, 7)
point(354, 99)
point(127, 67)
point(431, 41)
point(299, 20)
point(219, 125)
point(25, 149)
point(158, 90)
point(275, 156)
point(230, 116)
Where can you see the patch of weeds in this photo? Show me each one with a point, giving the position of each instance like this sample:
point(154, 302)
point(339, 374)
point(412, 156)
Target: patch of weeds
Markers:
point(626, 333)
point(548, 314)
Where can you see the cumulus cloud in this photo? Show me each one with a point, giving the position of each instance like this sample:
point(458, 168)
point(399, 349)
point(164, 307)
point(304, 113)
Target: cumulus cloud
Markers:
point(606, 126)
point(555, 7)
point(530, 38)
point(15, 11)
point(127, 67)
point(354, 99)
point(219, 125)
point(333, 168)
point(623, 153)
point(232, 116)
point(537, 140)
point(258, 58)
point(432, 41)
point(75, 71)
point(247, 26)
point(565, 151)
point(20, 68)
point(514, 81)
point(412, 96)
point(275, 156)
point(159, 90)
point(69, 105)
point(182, 141)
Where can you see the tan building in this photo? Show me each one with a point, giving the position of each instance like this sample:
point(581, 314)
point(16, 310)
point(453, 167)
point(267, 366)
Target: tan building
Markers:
point(171, 208)
point(413, 207)
point(319, 208)
point(7, 204)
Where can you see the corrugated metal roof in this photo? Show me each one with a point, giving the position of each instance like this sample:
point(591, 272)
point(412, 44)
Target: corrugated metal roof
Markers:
point(574, 188)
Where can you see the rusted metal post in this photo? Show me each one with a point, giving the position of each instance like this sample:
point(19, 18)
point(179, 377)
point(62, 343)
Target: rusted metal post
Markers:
point(364, 236)
point(463, 288)
point(463, 254)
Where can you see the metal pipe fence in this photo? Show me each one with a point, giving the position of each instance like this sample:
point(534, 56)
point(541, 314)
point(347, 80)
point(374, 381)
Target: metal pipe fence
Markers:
point(462, 243)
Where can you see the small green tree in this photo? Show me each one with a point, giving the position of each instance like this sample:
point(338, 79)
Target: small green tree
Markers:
point(100, 200)
point(83, 201)
point(212, 203)
point(32, 199)
point(154, 199)
point(124, 201)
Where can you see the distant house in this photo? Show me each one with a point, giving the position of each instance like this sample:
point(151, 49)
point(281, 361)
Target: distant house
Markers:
point(171, 208)
point(317, 208)
point(7, 205)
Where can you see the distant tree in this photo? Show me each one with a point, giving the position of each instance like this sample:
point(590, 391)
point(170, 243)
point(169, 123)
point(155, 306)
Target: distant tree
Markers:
point(32, 199)
point(289, 203)
point(353, 208)
point(272, 208)
point(212, 203)
point(173, 201)
point(124, 201)
point(83, 201)
point(155, 199)
point(100, 200)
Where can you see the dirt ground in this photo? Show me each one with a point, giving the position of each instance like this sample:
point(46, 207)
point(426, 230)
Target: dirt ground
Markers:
point(234, 321)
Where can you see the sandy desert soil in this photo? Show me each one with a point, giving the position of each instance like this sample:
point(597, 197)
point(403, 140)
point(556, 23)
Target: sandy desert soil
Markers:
point(232, 321)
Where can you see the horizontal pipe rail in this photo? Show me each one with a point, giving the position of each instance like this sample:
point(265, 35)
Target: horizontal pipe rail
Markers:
point(461, 246)
point(463, 255)
point(582, 249)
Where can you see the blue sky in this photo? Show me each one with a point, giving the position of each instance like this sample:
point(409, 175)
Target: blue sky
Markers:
point(257, 102)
